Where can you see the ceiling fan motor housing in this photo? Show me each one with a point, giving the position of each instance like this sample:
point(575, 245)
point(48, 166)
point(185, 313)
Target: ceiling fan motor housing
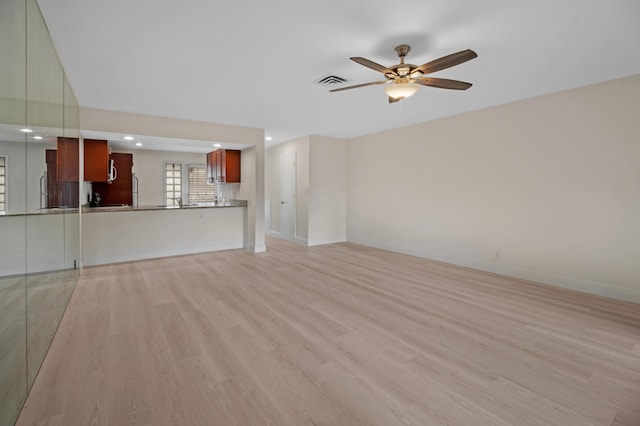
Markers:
point(403, 50)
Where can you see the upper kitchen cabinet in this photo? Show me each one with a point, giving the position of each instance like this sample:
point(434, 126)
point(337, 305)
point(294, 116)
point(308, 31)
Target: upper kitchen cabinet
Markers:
point(68, 160)
point(223, 166)
point(53, 188)
point(212, 166)
point(59, 193)
point(96, 160)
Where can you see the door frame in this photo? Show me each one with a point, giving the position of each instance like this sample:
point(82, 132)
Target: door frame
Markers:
point(294, 184)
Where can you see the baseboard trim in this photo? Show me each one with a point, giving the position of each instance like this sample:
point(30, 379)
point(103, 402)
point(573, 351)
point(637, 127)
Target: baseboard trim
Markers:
point(326, 241)
point(301, 240)
point(118, 258)
point(35, 269)
point(259, 249)
point(591, 287)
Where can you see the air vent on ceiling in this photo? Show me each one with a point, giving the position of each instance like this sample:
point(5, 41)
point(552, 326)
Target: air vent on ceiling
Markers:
point(330, 80)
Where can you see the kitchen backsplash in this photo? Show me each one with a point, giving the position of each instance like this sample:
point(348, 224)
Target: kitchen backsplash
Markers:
point(228, 190)
point(86, 190)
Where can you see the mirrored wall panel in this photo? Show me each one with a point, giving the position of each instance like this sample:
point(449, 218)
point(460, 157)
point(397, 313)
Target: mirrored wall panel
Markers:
point(39, 218)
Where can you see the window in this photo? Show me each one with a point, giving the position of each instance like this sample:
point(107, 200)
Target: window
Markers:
point(199, 191)
point(3, 191)
point(196, 188)
point(173, 177)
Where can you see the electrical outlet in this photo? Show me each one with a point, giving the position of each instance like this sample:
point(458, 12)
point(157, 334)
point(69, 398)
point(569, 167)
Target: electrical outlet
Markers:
point(497, 255)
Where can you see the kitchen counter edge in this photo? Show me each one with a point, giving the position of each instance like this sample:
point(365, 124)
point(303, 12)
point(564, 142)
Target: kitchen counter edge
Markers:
point(108, 209)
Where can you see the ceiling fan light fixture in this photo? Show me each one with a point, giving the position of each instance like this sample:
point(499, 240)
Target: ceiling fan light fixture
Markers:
point(401, 90)
point(404, 75)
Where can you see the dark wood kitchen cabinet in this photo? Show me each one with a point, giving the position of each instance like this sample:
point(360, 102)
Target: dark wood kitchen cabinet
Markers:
point(96, 160)
point(120, 190)
point(59, 193)
point(51, 156)
point(223, 166)
point(211, 166)
point(68, 161)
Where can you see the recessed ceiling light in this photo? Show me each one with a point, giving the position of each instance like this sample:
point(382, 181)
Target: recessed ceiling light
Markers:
point(269, 138)
point(37, 137)
point(217, 145)
point(138, 143)
point(128, 138)
point(26, 130)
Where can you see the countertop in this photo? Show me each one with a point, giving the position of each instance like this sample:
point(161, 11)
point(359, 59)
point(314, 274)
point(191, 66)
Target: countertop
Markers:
point(57, 210)
point(126, 208)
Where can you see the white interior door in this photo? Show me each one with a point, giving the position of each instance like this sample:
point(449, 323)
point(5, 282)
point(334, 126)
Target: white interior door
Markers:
point(288, 200)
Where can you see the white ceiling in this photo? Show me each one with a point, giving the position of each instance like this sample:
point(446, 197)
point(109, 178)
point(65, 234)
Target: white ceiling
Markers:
point(255, 63)
point(117, 142)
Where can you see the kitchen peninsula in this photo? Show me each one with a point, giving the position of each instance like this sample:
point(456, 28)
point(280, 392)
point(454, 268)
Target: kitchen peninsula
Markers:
point(125, 233)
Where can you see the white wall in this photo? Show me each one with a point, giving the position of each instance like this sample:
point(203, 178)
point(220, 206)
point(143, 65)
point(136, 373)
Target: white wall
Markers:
point(149, 169)
point(321, 188)
point(327, 190)
point(551, 183)
point(141, 124)
point(38, 242)
point(109, 237)
point(255, 198)
point(23, 186)
point(273, 192)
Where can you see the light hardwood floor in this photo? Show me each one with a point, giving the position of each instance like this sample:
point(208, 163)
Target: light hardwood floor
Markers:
point(338, 335)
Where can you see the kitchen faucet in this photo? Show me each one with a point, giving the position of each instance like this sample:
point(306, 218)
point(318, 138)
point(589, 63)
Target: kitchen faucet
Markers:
point(178, 200)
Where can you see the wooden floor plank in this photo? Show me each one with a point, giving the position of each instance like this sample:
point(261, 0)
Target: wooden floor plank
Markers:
point(339, 334)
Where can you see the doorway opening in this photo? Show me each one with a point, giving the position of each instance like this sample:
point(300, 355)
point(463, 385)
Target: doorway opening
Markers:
point(288, 196)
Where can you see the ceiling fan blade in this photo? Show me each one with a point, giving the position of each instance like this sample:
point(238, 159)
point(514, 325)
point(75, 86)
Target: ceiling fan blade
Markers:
point(442, 83)
point(392, 100)
point(373, 65)
point(358, 85)
point(445, 62)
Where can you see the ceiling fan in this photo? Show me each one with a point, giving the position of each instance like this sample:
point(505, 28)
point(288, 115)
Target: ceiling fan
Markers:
point(403, 80)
